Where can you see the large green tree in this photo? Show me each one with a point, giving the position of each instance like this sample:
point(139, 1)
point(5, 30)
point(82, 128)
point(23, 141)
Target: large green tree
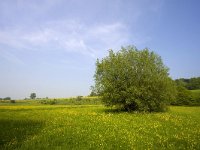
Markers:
point(133, 79)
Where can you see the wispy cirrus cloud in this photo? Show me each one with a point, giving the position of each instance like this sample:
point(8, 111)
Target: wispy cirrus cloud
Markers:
point(69, 36)
point(40, 29)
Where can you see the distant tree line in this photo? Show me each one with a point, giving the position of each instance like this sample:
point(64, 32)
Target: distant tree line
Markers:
point(6, 98)
point(190, 84)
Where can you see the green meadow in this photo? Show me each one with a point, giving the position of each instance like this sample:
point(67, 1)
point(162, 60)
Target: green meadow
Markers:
point(37, 126)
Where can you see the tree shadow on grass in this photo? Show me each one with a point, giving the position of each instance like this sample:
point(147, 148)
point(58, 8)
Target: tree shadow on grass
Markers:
point(14, 132)
point(115, 110)
point(118, 111)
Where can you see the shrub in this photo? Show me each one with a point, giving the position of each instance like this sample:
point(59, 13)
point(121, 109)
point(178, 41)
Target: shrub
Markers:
point(79, 98)
point(134, 80)
point(49, 102)
point(12, 101)
point(52, 102)
point(184, 96)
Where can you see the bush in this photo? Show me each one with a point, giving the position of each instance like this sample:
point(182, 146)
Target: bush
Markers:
point(184, 96)
point(79, 98)
point(134, 80)
point(196, 101)
point(49, 102)
point(12, 101)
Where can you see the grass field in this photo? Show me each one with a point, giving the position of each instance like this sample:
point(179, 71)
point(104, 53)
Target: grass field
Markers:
point(56, 101)
point(97, 127)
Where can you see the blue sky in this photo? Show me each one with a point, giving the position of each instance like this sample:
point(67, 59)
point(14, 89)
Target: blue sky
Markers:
point(50, 46)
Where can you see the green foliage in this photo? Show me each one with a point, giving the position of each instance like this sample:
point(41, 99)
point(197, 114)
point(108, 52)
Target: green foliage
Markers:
point(7, 98)
point(184, 96)
point(194, 83)
point(79, 98)
point(93, 91)
point(12, 101)
point(134, 80)
point(33, 96)
point(190, 84)
point(50, 127)
point(195, 97)
point(48, 102)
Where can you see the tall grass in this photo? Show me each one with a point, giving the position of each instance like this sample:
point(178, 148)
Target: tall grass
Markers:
point(97, 127)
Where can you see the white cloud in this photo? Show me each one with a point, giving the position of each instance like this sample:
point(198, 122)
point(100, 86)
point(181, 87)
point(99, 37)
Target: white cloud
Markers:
point(70, 36)
point(57, 30)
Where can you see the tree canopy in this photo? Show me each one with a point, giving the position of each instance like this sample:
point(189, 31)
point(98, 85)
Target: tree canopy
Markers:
point(33, 96)
point(133, 79)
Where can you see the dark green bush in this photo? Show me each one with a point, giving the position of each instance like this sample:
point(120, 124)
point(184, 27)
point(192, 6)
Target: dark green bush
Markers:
point(79, 98)
point(49, 102)
point(196, 99)
point(12, 101)
point(186, 97)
